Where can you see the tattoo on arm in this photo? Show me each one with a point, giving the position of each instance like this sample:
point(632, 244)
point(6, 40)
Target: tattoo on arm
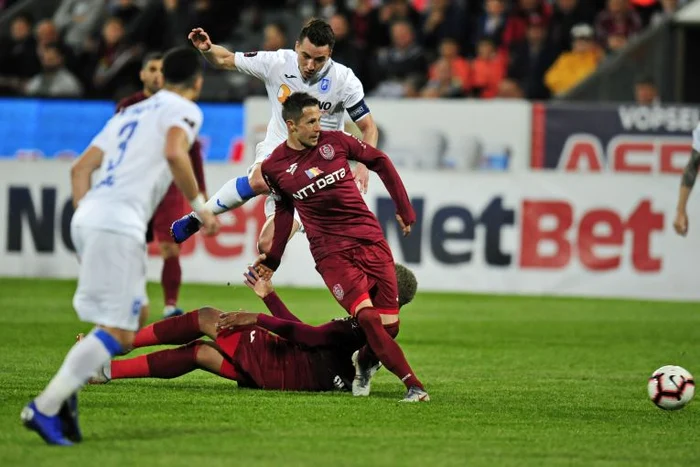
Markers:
point(691, 170)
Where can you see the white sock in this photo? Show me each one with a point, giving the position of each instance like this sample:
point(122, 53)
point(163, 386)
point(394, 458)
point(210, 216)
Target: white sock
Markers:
point(83, 360)
point(229, 196)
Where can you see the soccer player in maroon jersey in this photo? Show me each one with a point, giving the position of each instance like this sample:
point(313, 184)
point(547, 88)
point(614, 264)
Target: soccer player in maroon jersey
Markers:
point(298, 357)
point(173, 205)
point(310, 172)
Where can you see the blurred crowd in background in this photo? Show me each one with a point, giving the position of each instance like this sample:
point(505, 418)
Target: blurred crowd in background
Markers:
point(534, 49)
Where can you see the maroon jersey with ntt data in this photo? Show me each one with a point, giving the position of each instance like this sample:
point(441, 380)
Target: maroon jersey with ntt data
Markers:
point(318, 182)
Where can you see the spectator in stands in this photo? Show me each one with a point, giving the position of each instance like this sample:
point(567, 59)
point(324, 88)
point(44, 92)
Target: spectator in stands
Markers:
point(54, 80)
point(530, 59)
point(459, 66)
point(274, 37)
point(404, 59)
point(325, 9)
point(443, 83)
point(5, 4)
point(567, 14)
point(617, 14)
point(520, 18)
point(573, 67)
point(492, 23)
point(510, 89)
point(125, 10)
point(488, 69)
point(116, 64)
point(645, 92)
point(18, 56)
point(46, 33)
point(668, 9)
point(364, 22)
point(77, 19)
point(617, 40)
point(444, 18)
point(344, 51)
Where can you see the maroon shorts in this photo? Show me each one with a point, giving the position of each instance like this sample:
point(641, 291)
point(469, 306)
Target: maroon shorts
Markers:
point(169, 210)
point(359, 273)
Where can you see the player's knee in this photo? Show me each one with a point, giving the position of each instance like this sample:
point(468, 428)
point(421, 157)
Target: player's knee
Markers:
point(169, 250)
point(265, 241)
point(205, 353)
point(208, 317)
point(369, 318)
point(257, 181)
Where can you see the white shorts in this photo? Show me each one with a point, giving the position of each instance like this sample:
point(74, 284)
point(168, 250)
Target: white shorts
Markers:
point(112, 278)
point(270, 211)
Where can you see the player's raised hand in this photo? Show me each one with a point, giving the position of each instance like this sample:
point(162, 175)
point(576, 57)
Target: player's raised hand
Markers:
point(236, 318)
point(362, 177)
point(252, 280)
point(405, 228)
point(681, 223)
point(210, 226)
point(263, 271)
point(200, 39)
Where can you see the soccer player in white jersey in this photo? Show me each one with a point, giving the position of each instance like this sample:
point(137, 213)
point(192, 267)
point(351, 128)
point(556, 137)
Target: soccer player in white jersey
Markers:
point(138, 153)
point(687, 182)
point(309, 68)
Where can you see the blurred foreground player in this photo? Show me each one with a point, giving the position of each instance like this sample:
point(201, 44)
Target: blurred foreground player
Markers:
point(137, 155)
point(173, 205)
point(310, 173)
point(298, 357)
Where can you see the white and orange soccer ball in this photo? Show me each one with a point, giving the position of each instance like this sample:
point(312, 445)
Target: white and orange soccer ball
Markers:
point(671, 387)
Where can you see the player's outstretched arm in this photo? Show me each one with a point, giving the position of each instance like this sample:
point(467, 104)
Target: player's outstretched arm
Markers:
point(217, 55)
point(284, 221)
point(335, 333)
point(370, 135)
point(687, 182)
point(82, 170)
point(176, 153)
point(378, 162)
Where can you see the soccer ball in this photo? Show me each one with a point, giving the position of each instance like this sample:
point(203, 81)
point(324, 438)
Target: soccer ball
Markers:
point(671, 387)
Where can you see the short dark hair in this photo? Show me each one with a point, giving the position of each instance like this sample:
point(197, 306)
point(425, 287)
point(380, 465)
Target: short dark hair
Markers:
point(407, 282)
point(318, 32)
point(181, 66)
point(24, 16)
point(645, 80)
point(293, 107)
point(149, 57)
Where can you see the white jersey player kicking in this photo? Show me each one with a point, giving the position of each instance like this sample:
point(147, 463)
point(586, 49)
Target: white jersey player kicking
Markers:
point(309, 68)
point(137, 155)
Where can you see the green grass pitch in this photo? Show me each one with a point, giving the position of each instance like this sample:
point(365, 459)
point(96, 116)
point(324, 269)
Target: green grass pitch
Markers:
point(514, 381)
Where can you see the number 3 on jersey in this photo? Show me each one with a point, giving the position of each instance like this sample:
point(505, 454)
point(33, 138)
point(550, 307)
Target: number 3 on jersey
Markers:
point(125, 134)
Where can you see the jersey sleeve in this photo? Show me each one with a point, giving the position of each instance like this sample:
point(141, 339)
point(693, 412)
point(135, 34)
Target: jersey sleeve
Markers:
point(101, 140)
point(353, 97)
point(378, 162)
point(186, 115)
point(257, 64)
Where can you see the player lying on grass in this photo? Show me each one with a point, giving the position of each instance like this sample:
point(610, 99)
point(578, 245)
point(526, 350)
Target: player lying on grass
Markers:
point(297, 357)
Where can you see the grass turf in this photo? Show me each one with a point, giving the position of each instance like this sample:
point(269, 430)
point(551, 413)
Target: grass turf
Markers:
point(514, 381)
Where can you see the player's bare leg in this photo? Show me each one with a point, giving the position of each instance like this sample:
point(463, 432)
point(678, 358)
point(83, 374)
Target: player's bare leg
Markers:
point(171, 277)
point(233, 194)
point(56, 407)
point(388, 350)
point(268, 231)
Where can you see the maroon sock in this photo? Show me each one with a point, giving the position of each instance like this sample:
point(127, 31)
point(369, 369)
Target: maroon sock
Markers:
point(170, 279)
point(175, 331)
point(366, 357)
point(169, 363)
point(386, 348)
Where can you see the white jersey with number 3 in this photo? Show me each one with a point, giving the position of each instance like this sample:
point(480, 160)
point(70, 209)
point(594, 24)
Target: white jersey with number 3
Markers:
point(335, 86)
point(135, 174)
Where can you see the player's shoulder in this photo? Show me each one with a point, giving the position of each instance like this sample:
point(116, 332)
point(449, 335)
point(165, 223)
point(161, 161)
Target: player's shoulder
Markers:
point(131, 100)
point(334, 137)
point(272, 162)
point(344, 74)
